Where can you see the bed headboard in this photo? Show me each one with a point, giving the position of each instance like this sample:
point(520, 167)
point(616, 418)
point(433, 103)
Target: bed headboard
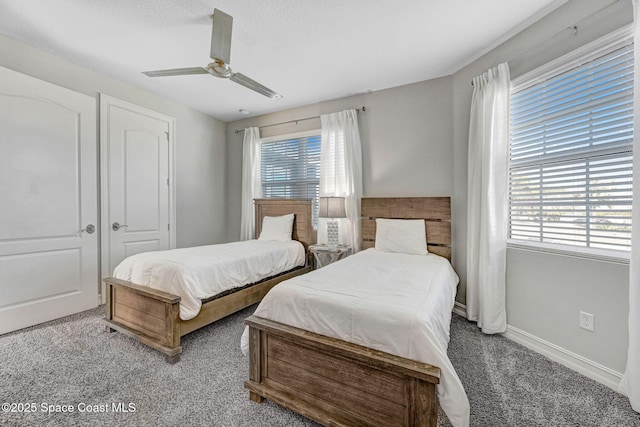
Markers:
point(436, 211)
point(302, 224)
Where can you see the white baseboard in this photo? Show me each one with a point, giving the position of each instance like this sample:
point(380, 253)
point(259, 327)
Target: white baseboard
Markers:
point(460, 309)
point(571, 360)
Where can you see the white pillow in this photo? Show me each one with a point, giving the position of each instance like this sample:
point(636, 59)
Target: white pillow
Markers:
point(277, 228)
point(405, 236)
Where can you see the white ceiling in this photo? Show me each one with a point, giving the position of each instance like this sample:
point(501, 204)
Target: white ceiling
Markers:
point(306, 50)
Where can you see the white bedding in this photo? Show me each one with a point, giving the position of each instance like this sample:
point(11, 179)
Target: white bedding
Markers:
point(204, 271)
point(397, 303)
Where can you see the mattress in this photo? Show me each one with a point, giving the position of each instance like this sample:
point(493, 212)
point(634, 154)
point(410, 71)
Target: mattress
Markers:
point(202, 272)
point(397, 303)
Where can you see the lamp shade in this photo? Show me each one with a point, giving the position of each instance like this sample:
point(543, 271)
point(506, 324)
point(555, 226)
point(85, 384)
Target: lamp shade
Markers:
point(332, 207)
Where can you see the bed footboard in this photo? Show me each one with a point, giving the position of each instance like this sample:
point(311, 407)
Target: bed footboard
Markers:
point(338, 383)
point(147, 314)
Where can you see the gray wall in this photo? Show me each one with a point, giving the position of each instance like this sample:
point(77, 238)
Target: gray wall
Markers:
point(406, 141)
point(200, 140)
point(545, 292)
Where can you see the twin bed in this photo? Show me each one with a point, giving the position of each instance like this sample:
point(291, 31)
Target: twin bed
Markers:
point(362, 341)
point(146, 301)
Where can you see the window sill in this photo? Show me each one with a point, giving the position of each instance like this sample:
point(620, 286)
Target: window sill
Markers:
point(604, 255)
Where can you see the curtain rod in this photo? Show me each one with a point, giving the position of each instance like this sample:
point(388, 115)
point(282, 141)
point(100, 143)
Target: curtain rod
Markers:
point(573, 28)
point(295, 121)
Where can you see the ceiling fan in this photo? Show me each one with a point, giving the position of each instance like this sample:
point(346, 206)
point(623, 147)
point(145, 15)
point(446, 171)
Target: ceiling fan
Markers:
point(220, 53)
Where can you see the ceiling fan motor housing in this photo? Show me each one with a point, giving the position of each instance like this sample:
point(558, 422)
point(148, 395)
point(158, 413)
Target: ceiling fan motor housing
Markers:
point(220, 69)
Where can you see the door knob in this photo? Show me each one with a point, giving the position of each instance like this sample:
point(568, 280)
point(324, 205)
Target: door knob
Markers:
point(90, 229)
point(117, 226)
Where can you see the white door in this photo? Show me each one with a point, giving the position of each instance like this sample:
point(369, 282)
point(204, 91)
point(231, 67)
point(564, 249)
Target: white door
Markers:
point(136, 180)
point(48, 202)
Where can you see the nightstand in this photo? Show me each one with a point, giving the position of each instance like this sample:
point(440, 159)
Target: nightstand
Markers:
point(324, 255)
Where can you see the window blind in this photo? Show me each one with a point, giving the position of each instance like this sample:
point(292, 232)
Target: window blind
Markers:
point(571, 154)
point(291, 168)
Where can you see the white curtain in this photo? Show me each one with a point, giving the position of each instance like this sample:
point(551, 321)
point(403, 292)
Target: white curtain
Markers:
point(487, 200)
point(341, 172)
point(630, 384)
point(251, 181)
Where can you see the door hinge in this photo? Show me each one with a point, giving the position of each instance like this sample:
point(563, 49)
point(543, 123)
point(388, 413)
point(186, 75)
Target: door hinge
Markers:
point(169, 227)
point(167, 133)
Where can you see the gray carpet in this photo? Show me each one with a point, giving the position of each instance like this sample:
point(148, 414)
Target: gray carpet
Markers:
point(72, 361)
point(510, 385)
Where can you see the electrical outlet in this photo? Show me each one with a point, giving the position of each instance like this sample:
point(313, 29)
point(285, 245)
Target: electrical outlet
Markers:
point(586, 321)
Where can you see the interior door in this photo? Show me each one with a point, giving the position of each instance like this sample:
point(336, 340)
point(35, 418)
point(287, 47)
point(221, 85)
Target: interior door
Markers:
point(136, 211)
point(48, 198)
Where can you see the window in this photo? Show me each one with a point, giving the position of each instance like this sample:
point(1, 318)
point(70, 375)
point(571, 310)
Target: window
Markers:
point(290, 167)
point(570, 173)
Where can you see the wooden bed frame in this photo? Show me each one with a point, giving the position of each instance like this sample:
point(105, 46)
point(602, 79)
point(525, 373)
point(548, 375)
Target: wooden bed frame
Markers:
point(152, 316)
point(341, 384)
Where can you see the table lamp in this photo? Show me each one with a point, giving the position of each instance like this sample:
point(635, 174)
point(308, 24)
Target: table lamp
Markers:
point(332, 207)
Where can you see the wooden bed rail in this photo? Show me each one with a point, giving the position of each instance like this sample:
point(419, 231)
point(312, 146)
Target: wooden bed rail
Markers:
point(338, 383)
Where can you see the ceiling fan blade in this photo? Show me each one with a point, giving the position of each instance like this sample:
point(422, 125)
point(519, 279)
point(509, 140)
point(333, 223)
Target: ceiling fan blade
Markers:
point(176, 72)
point(254, 85)
point(221, 36)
